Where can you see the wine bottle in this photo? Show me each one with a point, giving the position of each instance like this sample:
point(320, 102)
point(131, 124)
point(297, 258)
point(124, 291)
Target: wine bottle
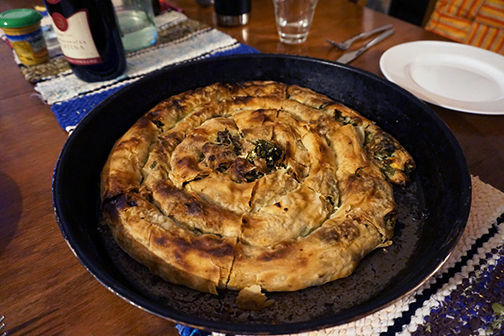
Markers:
point(89, 37)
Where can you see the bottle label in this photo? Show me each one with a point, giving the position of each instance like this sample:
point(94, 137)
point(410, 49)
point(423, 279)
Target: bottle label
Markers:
point(75, 39)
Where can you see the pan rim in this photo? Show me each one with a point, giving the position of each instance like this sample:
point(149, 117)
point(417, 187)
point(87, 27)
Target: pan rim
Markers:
point(145, 304)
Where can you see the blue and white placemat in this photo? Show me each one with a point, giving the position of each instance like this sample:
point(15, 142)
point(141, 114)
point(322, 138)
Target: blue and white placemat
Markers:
point(465, 297)
point(180, 39)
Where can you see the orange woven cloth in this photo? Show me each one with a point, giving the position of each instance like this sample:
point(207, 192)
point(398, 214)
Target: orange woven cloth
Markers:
point(476, 22)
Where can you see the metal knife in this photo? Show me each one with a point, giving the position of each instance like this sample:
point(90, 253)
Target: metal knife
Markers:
point(350, 56)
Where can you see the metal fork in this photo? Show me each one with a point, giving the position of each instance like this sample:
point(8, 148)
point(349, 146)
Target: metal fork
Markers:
point(2, 325)
point(346, 44)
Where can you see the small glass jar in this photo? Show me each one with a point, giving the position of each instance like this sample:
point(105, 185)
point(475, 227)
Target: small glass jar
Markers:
point(136, 22)
point(22, 28)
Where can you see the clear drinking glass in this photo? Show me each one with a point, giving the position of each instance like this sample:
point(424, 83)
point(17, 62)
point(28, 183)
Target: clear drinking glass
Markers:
point(294, 19)
point(136, 22)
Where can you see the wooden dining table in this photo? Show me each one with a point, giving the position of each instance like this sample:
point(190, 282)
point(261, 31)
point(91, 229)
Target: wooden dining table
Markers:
point(44, 290)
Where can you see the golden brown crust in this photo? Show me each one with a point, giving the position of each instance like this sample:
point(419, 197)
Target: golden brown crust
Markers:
point(330, 252)
point(122, 171)
point(178, 255)
point(257, 183)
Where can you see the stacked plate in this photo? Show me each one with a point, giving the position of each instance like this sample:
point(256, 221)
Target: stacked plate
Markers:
point(452, 75)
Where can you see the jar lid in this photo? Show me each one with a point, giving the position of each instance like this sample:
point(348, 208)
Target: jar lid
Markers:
point(22, 17)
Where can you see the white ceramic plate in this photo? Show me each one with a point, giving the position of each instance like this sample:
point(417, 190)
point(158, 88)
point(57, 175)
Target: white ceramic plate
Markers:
point(448, 74)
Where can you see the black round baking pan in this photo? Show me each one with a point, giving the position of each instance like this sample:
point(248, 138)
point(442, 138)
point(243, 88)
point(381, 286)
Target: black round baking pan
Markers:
point(432, 209)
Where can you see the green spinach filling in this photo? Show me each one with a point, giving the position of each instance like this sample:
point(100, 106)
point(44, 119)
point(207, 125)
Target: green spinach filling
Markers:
point(270, 152)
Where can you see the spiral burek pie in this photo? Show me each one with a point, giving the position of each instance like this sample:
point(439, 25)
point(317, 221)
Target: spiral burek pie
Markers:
point(256, 183)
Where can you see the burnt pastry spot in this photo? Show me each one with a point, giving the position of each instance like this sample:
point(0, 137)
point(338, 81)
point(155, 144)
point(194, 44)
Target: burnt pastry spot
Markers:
point(344, 231)
point(159, 124)
point(194, 208)
point(161, 241)
point(243, 100)
point(225, 137)
point(188, 161)
point(207, 244)
point(348, 231)
point(178, 105)
point(329, 235)
point(276, 254)
point(218, 156)
point(241, 170)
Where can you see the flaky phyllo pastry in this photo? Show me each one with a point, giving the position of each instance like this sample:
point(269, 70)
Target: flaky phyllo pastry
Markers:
point(259, 183)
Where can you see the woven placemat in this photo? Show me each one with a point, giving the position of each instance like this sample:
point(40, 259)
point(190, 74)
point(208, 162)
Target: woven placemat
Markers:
point(466, 295)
